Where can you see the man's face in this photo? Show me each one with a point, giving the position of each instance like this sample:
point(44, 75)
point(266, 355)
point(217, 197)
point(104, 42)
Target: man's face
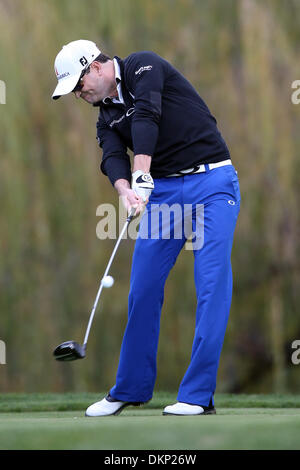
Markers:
point(98, 83)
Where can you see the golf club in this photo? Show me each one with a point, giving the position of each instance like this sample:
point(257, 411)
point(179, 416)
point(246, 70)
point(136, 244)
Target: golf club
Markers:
point(70, 350)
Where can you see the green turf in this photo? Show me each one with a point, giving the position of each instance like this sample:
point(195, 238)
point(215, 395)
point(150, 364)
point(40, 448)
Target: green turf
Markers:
point(79, 401)
point(54, 421)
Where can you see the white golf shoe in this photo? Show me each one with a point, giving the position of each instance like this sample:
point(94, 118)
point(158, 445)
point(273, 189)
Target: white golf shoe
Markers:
point(108, 406)
point(185, 409)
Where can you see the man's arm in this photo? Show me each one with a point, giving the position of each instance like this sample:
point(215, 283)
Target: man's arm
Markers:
point(145, 77)
point(129, 197)
point(115, 160)
point(116, 165)
point(142, 162)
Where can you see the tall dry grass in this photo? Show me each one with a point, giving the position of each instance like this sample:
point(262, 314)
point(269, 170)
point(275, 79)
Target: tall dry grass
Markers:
point(242, 57)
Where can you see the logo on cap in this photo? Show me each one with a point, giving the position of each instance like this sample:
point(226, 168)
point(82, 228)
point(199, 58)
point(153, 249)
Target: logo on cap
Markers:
point(62, 75)
point(83, 61)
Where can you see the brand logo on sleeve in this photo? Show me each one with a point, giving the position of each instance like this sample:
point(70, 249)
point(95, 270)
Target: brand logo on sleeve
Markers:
point(117, 121)
point(143, 69)
point(128, 113)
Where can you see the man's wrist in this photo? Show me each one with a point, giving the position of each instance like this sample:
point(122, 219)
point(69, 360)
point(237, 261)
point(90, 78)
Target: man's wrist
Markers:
point(122, 186)
point(142, 162)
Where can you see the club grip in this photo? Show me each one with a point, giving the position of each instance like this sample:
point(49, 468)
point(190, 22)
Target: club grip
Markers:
point(131, 214)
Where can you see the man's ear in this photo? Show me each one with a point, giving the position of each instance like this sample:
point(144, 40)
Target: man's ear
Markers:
point(97, 66)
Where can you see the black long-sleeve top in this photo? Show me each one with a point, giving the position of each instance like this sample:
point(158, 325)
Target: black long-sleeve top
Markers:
point(162, 116)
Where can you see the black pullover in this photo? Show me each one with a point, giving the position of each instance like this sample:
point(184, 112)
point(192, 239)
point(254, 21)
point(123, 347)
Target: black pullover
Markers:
point(163, 117)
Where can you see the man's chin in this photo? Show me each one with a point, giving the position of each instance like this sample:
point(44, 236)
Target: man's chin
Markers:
point(91, 99)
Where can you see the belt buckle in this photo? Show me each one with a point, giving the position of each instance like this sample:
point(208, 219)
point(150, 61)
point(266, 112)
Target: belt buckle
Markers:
point(189, 171)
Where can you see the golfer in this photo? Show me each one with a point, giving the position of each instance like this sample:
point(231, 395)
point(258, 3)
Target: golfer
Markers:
point(180, 160)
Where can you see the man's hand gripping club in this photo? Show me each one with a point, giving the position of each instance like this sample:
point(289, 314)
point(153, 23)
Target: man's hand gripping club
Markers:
point(142, 185)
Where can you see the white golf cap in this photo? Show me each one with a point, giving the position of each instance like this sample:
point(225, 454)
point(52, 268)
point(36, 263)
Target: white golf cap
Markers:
point(70, 62)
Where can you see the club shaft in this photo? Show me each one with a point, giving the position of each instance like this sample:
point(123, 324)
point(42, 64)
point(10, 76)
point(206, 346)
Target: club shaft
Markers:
point(129, 218)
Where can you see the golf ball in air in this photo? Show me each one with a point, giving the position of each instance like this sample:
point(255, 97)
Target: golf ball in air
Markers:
point(107, 281)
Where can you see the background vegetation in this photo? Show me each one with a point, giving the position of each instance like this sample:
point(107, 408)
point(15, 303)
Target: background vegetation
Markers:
point(242, 56)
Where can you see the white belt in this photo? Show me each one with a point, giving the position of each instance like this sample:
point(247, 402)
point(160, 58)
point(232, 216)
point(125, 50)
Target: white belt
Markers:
point(201, 168)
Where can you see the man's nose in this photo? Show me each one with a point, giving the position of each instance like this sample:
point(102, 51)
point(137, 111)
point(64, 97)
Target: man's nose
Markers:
point(77, 94)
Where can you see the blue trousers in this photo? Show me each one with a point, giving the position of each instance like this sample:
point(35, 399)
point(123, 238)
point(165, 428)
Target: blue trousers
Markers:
point(209, 204)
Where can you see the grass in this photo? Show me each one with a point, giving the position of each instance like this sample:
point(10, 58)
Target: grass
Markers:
point(56, 421)
point(18, 402)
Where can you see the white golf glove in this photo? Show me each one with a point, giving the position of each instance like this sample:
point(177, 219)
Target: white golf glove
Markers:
point(142, 184)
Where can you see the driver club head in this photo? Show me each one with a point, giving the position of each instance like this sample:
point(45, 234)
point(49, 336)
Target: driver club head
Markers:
point(69, 351)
